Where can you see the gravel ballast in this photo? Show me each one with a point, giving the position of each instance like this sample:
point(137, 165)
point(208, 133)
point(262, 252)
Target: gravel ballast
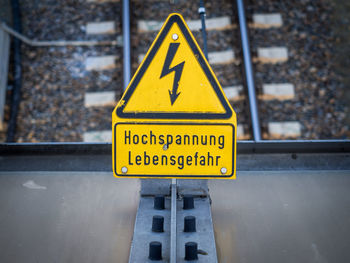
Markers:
point(55, 79)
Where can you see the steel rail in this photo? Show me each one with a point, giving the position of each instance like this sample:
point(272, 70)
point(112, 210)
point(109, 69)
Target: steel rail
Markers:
point(126, 44)
point(263, 156)
point(201, 11)
point(243, 147)
point(17, 73)
point(249, 72)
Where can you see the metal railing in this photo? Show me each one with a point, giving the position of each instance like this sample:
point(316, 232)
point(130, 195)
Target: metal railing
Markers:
point(126, 44)
point(249, 72)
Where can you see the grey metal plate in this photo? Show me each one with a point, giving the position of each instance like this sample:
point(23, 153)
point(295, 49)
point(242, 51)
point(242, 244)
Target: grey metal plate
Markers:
point(184, 186)
point(143, 234)
point(204, 236)
point(66, 217)
point(294, 216)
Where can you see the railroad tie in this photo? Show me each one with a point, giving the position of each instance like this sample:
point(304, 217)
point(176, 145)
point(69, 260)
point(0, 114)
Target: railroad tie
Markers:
point(240, 133)
point(260, 21)
point(100, 28)
point(99, 99)
point(281, 91)
point(98, 136)
point(265, 21)
point(217, 23)
point(272, 55)
point(217, 58)
point(286, 129)
point(233, 93)
point(103, 1)
point(100, 63)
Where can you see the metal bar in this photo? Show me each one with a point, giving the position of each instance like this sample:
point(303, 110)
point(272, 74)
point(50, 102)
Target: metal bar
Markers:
point(297, 146)
point(173, 222)
point(126, 44)
point(243, 147)
point(58, 43)
point(249, 72)
point(264, 155)
point(17, 72)
point(4, 65)
point(101, 163)
point(202, 14)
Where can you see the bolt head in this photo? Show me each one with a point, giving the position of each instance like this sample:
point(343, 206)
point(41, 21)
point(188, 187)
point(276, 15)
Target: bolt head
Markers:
point(165, 147)
point(124, 170)
point(223, 170)
point(175, 37)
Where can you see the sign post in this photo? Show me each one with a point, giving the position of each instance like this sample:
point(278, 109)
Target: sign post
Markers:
point(174, 120)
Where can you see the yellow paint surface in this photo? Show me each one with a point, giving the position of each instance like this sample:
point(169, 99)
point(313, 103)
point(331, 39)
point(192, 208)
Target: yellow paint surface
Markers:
point(196, 92)
point(172, 150)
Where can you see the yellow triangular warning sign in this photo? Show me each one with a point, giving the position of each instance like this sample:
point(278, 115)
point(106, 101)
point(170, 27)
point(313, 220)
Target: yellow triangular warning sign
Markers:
point(174, 80)
point(174, 121)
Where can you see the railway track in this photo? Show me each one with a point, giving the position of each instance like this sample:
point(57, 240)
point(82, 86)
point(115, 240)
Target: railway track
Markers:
point(226, 58)
point(69, 92)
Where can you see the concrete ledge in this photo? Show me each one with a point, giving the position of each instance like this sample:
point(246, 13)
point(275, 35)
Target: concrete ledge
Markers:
point(103, 98)
point(217, 23)
point(272, 54)
point(98, 136)
point(97, 28)
point(283, 91)
point(100, 63)
point(284, 129)
point(264, 21)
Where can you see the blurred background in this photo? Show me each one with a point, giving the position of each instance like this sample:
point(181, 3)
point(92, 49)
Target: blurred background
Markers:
point(299, 54)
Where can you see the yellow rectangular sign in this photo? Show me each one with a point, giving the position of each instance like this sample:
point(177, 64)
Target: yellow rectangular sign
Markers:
point(174, 150)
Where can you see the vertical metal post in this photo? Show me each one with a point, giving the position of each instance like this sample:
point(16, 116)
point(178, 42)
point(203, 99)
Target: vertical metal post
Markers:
point(173, 223)
point(126, 44)
point(201, 11)
point(17, 82)
point(249, 72)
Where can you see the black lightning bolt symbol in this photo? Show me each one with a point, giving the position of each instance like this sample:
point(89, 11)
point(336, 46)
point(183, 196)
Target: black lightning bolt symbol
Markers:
point(178, 70)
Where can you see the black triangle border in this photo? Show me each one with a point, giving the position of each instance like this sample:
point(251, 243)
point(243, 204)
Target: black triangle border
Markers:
point(174, 115)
